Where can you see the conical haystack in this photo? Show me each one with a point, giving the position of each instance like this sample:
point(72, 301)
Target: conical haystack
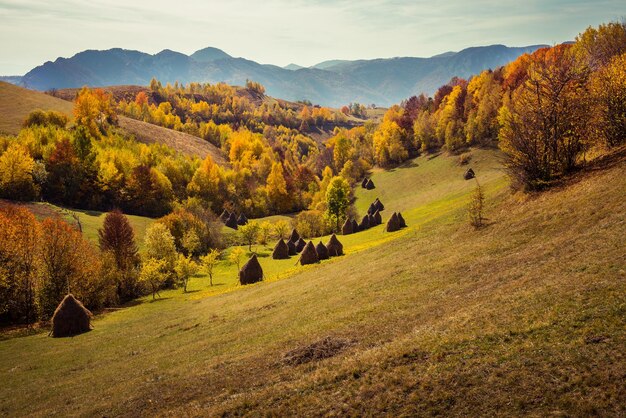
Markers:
point(70, 318)
point(379, 205)
point(309, 254)
point(371, 209)
point(281, 250)
point(294, 236)
point(378, 218)
point(401, 221)
point(225, 215)
point(251, 272)
point(364, 183)
point(322, 251)
point(242, 220)
point(371, 220)
point(394, 223)
point(292, 248)
point(232, 221)
point(355, 226)
point(370, 185)
point(469, 174)
point(300, 245)
point(365, 223)
point(335, 248)
point(346, 229)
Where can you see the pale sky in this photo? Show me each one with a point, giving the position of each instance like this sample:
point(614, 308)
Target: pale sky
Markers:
point(280, 32)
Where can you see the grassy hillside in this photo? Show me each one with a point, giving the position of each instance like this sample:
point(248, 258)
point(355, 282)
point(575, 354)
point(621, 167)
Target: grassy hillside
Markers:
point(525, 316)
point(16, 103)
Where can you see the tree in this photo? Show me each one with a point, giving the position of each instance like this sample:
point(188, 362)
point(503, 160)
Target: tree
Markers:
point(209, 261)
point(249, 233)
point(235, 256)
point(342, 151)
point(159, 245)
point(153, 275)
point(190, 242)
point(185, 269)
point(337, 200)
point(16, 174)
point(265, 229)
point(608, 90)
point(387, 142)
point(118, 238)
point(281, 228)
point(475, 207)
point(93, 110)
point(277, 188)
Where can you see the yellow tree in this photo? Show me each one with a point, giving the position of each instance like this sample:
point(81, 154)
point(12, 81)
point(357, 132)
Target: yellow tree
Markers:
point(16, 174)
point(387, 140)
point(277, 188)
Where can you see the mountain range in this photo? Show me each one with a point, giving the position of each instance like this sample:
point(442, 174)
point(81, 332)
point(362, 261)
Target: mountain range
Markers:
point(330, 83)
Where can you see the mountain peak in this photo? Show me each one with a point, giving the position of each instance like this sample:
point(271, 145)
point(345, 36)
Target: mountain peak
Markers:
point(209, 54)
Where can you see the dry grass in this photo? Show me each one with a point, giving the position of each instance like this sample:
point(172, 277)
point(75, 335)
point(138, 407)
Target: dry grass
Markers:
point(523, 317)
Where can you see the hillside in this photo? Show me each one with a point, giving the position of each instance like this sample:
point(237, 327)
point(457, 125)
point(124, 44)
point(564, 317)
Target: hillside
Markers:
point(17, 102)
point(524, 316)
point(331, 83)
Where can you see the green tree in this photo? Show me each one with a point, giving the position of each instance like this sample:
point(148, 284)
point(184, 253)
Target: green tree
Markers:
point(159, 245)
point(235, 256)
point(209, 261)
point(153, 275)
point(249, 233)
point(185, 269)
point(337, 200)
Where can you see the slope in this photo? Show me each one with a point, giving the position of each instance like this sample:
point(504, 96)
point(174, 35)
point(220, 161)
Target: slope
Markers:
point(17, 102)
point(525, 317)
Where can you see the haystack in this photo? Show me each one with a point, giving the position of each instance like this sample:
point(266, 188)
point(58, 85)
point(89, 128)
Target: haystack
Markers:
point(292, 248)
point(300, 245)
point(401, 221)
point(372, 220)
point(225, 215)
point(335, 248)
point(251, 272)
point(364, 183)
point(371, 209)
point(70, 318)
point(378, 217)
point(346, 229)
point(309, 254)
point(365, 223)
point(322, 251)
point(294, 236)
point(232, 221)
point(394, 223)
point(469, 174)
point(379, 205)
point(242, 220)
point(281, 250)
point(370, 185)
point(355, 226)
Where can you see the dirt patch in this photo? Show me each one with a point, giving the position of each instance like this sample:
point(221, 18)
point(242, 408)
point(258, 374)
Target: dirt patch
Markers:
point(319, 350)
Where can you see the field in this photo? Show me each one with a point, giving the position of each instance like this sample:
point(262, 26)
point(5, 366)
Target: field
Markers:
point(16, 103)
point(523, 317)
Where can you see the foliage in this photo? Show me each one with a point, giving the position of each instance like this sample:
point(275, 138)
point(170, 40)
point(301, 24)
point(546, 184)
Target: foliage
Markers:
point(337, 201)
point(249, 233)
point(185, 269)
point(153, 275)
point(476, 206)
point(209, 262)
point(235, 256)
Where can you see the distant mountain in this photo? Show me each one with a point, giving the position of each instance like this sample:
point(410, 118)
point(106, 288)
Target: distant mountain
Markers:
point(293, 67)
point(330, 83)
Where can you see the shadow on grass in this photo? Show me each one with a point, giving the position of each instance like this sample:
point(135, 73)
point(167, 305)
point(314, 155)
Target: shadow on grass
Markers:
point(193, 291)
point(159, 299)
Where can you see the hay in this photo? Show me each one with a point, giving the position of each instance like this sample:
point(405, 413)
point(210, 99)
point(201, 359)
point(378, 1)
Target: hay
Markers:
point(294, 236)
point(401, 221)
point(370, 185)
point(346, 229)
point(355, 226)
point(469, 174)
point(364, 183)
point(371, 209)
point(365, 223)
point(319, 350)
point(394, 223)
point(378, 218)
point(232, 221)
point(281, 250)
point(70, 318)
point(300, 245)
point(371, 220)
point(335, 248)
point(242, 220)
point(225, 215)
point(292, 248)
point(379, 205)
point(322, 251)
point(309, 254)
point(251, 272)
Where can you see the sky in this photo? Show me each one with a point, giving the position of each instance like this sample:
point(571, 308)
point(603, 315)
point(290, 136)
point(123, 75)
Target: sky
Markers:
point(281, 32)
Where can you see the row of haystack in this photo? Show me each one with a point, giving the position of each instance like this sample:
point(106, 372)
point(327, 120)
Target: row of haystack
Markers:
point(367, 184)
point(231, 220)
point(396, 222)
point(309, 253)
point(373, 218)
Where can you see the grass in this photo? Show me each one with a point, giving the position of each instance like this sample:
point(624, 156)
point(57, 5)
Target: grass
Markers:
point(16, 103)
point(523, 317)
